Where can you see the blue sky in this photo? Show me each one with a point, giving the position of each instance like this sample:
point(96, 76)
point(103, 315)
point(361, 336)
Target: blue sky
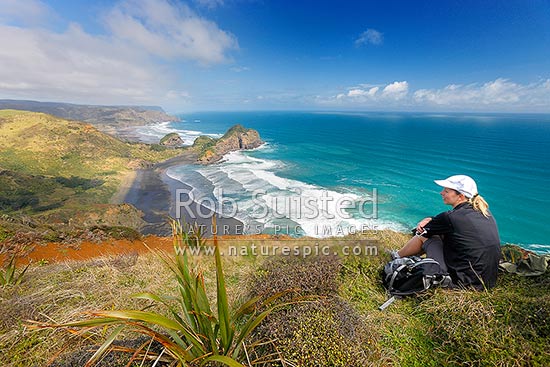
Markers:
point(488, 56)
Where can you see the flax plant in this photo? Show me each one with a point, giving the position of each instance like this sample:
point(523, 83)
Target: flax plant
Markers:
point(192, 334)
point(9, 275)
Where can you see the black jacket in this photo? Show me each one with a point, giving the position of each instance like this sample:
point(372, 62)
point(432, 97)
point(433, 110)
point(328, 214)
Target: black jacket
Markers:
point(471, 245)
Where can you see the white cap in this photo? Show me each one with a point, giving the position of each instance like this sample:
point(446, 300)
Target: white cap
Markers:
point(461, 183)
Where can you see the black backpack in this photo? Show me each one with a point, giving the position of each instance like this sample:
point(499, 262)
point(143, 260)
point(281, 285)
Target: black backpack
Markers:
point(406, 276)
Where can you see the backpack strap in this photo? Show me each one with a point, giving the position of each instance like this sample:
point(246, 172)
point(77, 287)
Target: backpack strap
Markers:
point(427, 260)
point(429, 280)
point(394, 275)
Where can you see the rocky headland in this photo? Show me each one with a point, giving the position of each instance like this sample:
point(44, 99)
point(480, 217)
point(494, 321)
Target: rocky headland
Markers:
point(211, 150)
point(171, 140)
point(154, 192)
point(112, 120)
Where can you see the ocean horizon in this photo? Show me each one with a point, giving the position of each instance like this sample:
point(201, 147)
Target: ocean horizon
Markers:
point(371, 170)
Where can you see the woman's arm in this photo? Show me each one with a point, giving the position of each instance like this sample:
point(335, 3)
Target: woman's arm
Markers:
point(420, 226)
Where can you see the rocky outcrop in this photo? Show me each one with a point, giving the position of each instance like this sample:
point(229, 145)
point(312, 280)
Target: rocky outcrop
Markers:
point(237, 138)
point(171, 140)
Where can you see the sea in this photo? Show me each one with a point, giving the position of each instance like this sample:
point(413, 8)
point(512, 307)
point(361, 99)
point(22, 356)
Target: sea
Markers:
point(326, 174)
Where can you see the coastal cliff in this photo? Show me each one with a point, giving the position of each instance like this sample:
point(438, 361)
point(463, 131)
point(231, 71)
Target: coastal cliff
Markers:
point(211, 150)
point(57, 177)
point(62, 180)
point(108, 119)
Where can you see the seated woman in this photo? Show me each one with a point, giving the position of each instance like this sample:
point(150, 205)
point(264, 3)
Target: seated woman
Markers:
point(463, 240)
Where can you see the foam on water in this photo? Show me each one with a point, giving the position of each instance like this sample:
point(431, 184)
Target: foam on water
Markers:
point(250, 190)
point(153, 133)
point(352, 154)
point(283, 205)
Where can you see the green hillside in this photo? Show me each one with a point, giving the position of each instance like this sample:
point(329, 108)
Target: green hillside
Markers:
point(36, 143)
point(51, 168)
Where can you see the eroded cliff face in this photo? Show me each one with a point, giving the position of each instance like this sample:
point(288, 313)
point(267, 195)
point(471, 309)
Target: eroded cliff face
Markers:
point(237, 138)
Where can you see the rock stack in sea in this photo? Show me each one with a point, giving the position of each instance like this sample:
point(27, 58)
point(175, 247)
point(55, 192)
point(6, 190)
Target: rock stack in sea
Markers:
point(171, 140)
point(211, 150)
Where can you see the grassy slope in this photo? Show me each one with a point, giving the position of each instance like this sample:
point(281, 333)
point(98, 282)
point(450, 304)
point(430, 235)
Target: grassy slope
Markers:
point(39, 144)
point(508, 326)
point(58, 167)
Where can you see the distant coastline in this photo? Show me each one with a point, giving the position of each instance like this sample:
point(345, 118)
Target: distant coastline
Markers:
point(355, 153)
point(113, 120)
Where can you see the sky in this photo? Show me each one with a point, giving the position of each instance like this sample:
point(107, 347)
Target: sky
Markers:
point(221, 55)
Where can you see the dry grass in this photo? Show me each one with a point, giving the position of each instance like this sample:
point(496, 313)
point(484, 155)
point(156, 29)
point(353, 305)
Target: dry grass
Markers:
point(63, 292)
point(508, 326)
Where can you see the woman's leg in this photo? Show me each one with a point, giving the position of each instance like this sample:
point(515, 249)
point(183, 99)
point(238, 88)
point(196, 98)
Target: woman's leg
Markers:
point(413, 247)
point(433, 247)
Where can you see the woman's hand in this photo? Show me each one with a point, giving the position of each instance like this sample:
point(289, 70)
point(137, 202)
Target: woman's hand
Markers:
point(420, 226)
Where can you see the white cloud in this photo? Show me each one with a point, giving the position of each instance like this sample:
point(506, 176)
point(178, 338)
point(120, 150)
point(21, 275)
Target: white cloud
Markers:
point(73, 64)
point(370, 36)
point(498, 92)
point(368, 95)
point(169, 31)
point(240, 69)
point(396, 90)
point(358, 92)
point(175, 94)
point(30, 12)
point(497, 95)
point(129, 65)
point(372, 92)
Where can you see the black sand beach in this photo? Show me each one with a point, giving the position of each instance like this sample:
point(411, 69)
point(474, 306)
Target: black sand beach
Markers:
point(154, 193)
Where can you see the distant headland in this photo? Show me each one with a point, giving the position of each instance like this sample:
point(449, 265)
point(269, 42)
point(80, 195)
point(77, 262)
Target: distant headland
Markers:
point(108, 119)
point(71, 180)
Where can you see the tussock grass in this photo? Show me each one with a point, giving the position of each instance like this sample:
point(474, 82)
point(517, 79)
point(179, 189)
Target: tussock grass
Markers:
point(63, 292)
point(507, 326)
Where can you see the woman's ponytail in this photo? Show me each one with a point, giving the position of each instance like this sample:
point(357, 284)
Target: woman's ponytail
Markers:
point(479, 204)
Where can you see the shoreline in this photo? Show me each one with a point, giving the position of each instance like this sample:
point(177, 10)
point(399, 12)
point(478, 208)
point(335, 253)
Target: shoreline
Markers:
point(154, 193)
point(125, 184)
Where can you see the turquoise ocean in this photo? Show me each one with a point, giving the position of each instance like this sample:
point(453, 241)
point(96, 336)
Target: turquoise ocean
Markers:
point(385, 161)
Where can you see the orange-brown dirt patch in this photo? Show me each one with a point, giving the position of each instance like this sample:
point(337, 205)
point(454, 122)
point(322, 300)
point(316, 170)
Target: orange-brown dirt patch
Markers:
point(55, 252)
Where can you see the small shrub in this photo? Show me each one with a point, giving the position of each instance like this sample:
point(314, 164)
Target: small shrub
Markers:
point(305, 276)
point(325, 331)
point(52, 236)
point(18, 200)
point(79, 182)
point(119, 233)
point(499, 329)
